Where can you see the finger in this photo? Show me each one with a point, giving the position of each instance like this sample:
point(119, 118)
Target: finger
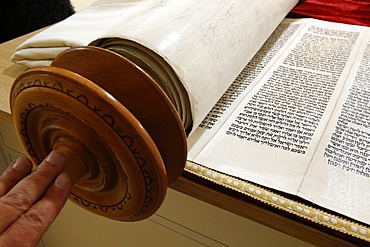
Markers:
point(30, 227)
point(14, 173)
point(22, 196)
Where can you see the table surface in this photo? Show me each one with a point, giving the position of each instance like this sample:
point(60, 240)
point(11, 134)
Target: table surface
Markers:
point(203, 189)
point(8, 73)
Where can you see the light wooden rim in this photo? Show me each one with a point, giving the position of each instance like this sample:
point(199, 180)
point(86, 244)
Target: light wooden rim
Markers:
point(49, 90)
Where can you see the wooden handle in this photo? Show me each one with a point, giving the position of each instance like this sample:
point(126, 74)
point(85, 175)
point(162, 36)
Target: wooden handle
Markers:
point(118, 168)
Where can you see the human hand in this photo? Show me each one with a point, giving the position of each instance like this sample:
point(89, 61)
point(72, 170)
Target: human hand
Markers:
point(30, 202)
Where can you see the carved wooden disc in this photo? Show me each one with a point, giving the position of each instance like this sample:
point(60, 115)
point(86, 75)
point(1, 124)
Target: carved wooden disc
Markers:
point(117, 168)
point(137, 91)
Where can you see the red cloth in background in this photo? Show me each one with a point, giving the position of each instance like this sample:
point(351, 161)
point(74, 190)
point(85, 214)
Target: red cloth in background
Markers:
point(344, 11)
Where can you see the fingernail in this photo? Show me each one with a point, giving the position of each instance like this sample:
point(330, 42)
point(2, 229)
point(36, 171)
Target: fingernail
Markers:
point(62, 180)
point(55, 157)
point(21, 164)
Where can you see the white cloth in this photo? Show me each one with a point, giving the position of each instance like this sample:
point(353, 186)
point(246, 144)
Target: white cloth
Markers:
point(78, 30)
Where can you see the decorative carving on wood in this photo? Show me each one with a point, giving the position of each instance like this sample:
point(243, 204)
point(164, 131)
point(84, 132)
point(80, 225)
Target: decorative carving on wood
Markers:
point(121, 135)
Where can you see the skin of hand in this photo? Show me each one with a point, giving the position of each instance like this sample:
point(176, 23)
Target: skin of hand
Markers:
point(30, 201)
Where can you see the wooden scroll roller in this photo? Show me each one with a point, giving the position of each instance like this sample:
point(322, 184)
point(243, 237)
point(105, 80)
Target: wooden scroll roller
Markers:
point(121, 136)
